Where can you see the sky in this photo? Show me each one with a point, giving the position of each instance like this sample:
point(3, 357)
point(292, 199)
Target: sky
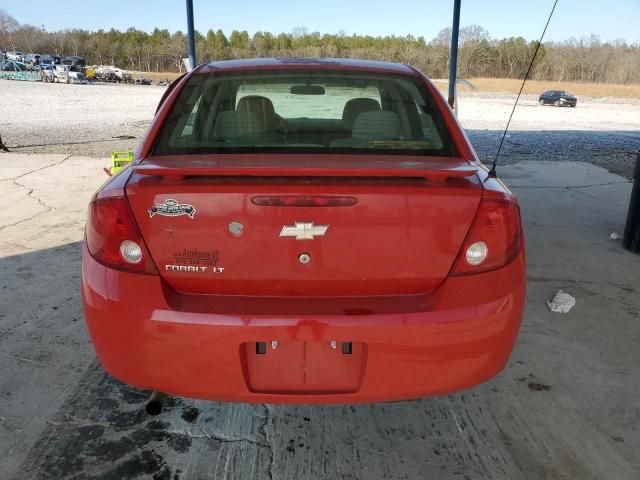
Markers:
point(616, 19)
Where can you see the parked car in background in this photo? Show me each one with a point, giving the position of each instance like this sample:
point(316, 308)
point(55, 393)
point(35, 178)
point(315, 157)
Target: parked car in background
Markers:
point(32, 59)
point(50, 60)
point(304, 231)
point(68, 74)
point(559, 98)
point(3, 55)
point(73, 61)
point(17, 56)
point(12, 66)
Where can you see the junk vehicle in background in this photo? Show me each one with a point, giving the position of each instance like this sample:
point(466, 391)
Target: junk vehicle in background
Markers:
point(68, 74)
point(13, 66)
point(303, 231)
point(46, 73)
point(32, 59)
point(111, 74)
point(16, 56)
point(13, 70)
point(73, 60)
point(50, 60)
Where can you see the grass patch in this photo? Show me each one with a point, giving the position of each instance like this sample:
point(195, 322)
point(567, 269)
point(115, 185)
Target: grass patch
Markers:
point(500, 85)
point(155, 75)
point(508, 85)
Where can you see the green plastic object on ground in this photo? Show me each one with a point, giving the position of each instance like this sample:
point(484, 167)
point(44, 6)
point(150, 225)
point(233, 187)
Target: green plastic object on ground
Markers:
point(119, 160)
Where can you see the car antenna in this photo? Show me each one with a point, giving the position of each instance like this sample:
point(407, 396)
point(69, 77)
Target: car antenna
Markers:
point(492, 172)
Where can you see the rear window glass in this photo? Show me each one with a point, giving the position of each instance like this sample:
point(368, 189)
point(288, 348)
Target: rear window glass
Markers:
point(305, 112)
point(304, 104)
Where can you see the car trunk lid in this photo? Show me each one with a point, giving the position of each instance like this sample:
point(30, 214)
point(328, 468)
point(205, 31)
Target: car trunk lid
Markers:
point(305, 226)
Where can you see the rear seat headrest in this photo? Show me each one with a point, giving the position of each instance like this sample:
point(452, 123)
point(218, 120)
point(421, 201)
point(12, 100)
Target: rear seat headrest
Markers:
point(234, 124)
point(263, 108)
point(374, 125)
point(256, 103)
point(355, 107)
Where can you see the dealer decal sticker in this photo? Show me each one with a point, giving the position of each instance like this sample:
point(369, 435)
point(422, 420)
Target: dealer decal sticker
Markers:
point(196, 261)
point(171, 208)
point(193, 256)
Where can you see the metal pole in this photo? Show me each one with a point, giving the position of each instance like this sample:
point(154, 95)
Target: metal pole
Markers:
point(192, 37)
point(631, 238)
point(453, 60)
point(2, 147)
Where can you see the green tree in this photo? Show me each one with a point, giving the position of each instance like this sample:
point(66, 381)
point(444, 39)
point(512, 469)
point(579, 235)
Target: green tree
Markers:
point(585, 59)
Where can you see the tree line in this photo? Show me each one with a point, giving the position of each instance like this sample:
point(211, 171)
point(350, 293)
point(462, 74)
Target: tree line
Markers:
point(586, 59)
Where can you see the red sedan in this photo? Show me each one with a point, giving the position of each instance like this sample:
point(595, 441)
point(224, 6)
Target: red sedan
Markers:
point(304, 231)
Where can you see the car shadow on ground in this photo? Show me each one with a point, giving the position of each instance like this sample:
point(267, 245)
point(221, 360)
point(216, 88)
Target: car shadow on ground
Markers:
point(85, 424)
point(102, 431)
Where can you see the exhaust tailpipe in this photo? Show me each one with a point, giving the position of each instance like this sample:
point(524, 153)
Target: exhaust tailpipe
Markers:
point(155, 403)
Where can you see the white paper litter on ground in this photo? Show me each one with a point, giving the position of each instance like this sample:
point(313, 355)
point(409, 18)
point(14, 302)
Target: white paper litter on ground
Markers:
point(615, 236)
point(562, 302)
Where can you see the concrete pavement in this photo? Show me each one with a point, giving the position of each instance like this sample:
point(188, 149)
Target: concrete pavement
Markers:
point(565, 407)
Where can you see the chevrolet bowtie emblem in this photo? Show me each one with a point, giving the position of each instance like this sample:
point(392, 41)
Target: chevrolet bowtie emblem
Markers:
point(304, 231)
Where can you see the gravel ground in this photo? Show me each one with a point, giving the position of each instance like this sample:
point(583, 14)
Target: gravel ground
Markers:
point(75, 119)
point(603, 131)
point(88, 119)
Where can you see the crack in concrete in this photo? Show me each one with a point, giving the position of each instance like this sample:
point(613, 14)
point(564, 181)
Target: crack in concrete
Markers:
point(264, 428)
point(23, 359)
point(29, 194)
point(566, 280)
point(24, 220)
point(220, 438)
point(54, 164)
point(37, 199)
point(185, 433)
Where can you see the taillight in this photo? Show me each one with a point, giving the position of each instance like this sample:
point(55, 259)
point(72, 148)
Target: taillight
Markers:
point(113, 238)
point(494, 239)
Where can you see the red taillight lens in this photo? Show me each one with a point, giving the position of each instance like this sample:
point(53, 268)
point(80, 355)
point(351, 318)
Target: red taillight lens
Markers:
point(497, 226)
point(110, 223)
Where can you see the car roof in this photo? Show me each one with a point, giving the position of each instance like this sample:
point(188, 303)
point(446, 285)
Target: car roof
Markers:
point(322, 64)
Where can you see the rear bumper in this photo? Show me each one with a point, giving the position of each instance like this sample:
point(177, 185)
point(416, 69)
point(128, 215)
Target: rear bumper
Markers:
point(464, 340)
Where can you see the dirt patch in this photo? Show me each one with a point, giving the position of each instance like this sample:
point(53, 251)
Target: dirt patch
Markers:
point(597, 90)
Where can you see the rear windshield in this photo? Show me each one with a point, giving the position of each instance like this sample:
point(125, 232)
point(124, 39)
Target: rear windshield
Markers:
point(304, 112)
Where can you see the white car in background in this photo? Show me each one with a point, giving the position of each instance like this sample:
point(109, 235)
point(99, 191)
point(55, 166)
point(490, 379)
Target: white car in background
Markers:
point(16, 56)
